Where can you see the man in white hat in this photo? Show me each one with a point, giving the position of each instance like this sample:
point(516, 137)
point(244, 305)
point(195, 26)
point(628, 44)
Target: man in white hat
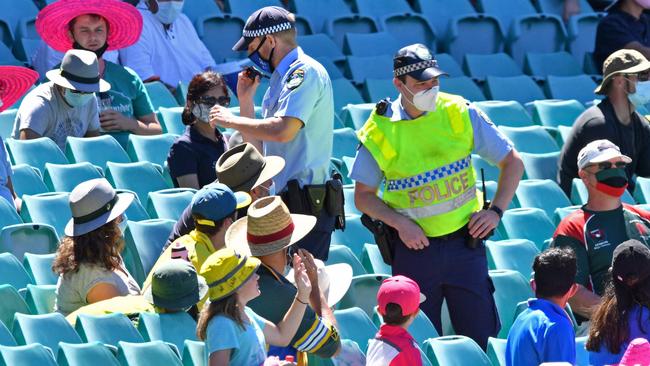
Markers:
point(597, 228)
point(66, 105)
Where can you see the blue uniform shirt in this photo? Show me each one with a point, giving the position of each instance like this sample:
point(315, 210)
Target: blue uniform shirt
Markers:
point(301, 88)
point(542, 333)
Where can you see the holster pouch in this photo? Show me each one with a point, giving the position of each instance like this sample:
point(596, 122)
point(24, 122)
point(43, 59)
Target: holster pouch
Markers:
point(315, 197)
point(385, 236)
point(335, 202)
point(295, 199)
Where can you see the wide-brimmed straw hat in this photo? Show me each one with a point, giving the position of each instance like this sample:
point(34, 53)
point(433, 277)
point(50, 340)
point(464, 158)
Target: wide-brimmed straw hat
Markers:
point(79, 71)
point(334, 280)
point(226, 271)
point(268, 228)
point(243, 168)
point(93, 204)
point(124, 22)
point(14, 82)
point(622, 62)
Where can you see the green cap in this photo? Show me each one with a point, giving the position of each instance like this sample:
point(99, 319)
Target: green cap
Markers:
point(175, 285)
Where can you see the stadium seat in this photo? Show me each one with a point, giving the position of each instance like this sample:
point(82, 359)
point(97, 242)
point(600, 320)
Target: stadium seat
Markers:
point(440, 12)
point(303, 25)
point(642, 190)
point(345, 93)
point(329, 65)
point(160, 96)
point(541, 166)
point(169, 203)
point(29, 238)
point(370, 44)
point(27, 180)
point(197, 9)
point(464, 87)
point(579, 87)
point(379, 9)
point(490, 172)
point(172, 328)
point(409, 28)
point(319, 12)
point(41, 298)
point(350, 207)
point(219, 33)
point(562, 212)
point(8, 214)
point(371, 67)
point(582, 35)
point(11, 304)
point(455, 351)
point(519, 88)
point(153, 149)
point(8, 58)
point(528, 223)
point(47, 208)
point(320, 45)
point(448, 64)
point(83, 354)
point(108, 329)
point(95, 150)
point(565, 132)
point(354, 324)
point(171, 120)
point(372, 260)
point(32, 354)
point(147, 354)
point(12, 272)
point(46, 329)
point(144, 241)
point(354, 116)
point(531, 139)
point(244, 9)
point(39, 268)
point(136, 211)
point(555, 63)
point(7, 118)
point(491, 188)
point(345, 143)
point(363, 293)
point(6, 339)
point(513, 254)
point(582, 355)
point(496, 351)
point(505, 113)
point(473, 33)
point(354, 236)
point(343, 254)
point(496, 64)
point(511, 287)
point(64, 177)
point(35, 152)
point(554, 113)
point(141, 177)
point(15, 10)
point(338, 26)
point(579, 194)
point(193, 353)
point(421, 329)
point(375, 90)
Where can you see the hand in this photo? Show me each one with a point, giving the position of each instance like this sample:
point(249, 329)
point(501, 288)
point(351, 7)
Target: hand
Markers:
point(219, 116)
point(571, 7)
point(482, 223)
point(412, 235)
point(246, 87)
point(310, 266)
point(18, 203)
point(111, 120)
point(301, 279)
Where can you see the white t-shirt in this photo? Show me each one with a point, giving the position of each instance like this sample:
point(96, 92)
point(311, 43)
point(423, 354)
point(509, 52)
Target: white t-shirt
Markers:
point(174, 54)
point(45, 112)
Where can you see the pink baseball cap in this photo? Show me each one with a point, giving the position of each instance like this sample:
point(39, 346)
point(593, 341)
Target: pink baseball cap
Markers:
point(402, 291)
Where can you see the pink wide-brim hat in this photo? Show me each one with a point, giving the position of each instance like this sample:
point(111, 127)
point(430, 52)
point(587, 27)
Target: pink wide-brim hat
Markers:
point(124, 22)
point(14, 82)
point(637, 353)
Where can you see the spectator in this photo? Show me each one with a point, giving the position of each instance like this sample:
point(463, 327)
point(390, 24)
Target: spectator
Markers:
point(625, 26)
point(15, 81)
point(268, 232)
point(65, 106)
point(243, 169)
point(88, 259)
point(45, 58)
point(626, 86)
point(169, 50)
point(597, 228)
point(298, 110)
point(233, 333)
point(544, 332)
point(398, 301)
point(97, 26)
point(637, 353)
point(625, 311)
point(193, 156)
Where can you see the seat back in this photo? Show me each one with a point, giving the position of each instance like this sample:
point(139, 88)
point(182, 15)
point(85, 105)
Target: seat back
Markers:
point(363, 293)
point(41, 298)
point(32, 354)
point(28, 238)
point(378, 89)
point(39, 268)
point(369, 44)
point(554, 113)
point(455, 351)
point(95, 150)
point(169, 203)
point(464, 87)
point(141, 177)
point(354, 324)
point(372, 260)
point(46, 329)
point(35, 152)
point(530, 139)
point(512, 254)
point(320, 45)
point(528, 223)
point(107, 329)
point(171, 120)
point(173, 328)
point(27, 180)
point(354, 116)
point(421, 329)
point(473, 33)
point(11, 304)
point(579, 87)
point(355, 236)
point(320, 12)
point(519, 88)
point(12, 272)
point(144, 354)
point(554, 63)
point(343, 254)
point(8, 214)
point(200, 8)
point(338, 26)
point(409, 28)
point(144, 241)
point(345, 143)
point(505, 113)
point(379, 8)
point(497, 64)
point(7, 117)
point(71, 354)
point(193, 353)
point(64, 177)
point(246, 8)
point(360, 68)
point(160, 96)
point(496, 351)
point(345, 93)
point(6, 339)
point(511, 287)
point(490, 172)
point(541, 166)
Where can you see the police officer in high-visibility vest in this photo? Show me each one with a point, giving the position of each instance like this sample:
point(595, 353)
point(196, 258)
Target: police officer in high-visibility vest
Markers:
point(420, 147)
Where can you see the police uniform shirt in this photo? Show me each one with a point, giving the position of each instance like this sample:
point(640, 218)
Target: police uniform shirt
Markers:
point(301, 88)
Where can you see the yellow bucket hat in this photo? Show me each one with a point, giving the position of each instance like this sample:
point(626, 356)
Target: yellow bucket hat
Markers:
point(225, 271)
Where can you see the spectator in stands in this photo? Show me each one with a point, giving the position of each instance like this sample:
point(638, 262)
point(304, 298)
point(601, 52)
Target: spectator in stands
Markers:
point(298, 110)
point(421, 144)
point(169, 50)
point(14, 82)
point(193, 156)
point(625, 26)
point(398, 301)
point(572, 7)
point(625, 311)
point(595, 230)
point(96, 26)
point(88, 259)
point(243, 169)
point(233, 333)
point(626, 86)
point(544, 332)
point(267, 233)
point(66, 105)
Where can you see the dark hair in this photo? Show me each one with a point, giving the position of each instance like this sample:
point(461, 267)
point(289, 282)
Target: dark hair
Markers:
point(227, 306)
point(555, 272)
point(199, 85)
point(211, 230)
point(394, 315)
point(94, 17)
point(101, 246)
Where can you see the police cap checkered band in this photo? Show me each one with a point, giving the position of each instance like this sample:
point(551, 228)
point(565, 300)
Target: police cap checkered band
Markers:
point(268, 30)
point(415, 67)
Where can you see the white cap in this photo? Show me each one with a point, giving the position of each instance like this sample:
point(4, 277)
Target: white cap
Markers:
point(599, 151)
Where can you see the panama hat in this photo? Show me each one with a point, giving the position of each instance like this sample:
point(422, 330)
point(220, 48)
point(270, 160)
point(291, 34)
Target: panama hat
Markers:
point(124, 22)
point(79, 71)
point(226, 271)
point(268, 228)
point(334, 280)
point(175, 285)
point(14, 82)
point(93, 204)
point(243, 168)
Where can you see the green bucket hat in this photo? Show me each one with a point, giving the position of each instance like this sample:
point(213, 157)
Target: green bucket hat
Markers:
point(175, 285)
point(622, 62)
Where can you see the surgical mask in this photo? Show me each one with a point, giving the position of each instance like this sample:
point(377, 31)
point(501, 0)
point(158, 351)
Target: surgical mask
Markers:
point(262, 63)
point(612, 182)
point(99, 52)
point(202, 112)
point(168, 11)
point(270, 190)
point(645, 4)
point(425, 100)
point(77, 99)
point(642, 94)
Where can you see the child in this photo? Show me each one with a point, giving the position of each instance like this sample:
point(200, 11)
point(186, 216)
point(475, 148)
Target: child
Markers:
point(234, 335)
point(544, 332)
point(399, 301)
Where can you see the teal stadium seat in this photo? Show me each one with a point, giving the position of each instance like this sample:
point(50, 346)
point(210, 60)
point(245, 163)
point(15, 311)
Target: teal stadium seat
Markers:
point(319, 12)
point(455, 351)
point(64, 177)
point(147, 354)
point(171, 120)
point(35, 152)
point(490, 172)
point(25, 238)
point(562, 212)
point(193, 353)
point(473, 33)
point(528, 223)
point(464, 87)
point(96, 150)
point(160, 96)
point(41, 298)
point(345, 93)
point(582, 35)
point(555, 63)
point(47, 208)
point(354, 236)
point(441, 12)
point(541, 193)
point(363, 293)
point(332, 70)
point(172, 328)
point(530, 139)
point(246, 8)
point(343, 254)
point(370, 44)
point(409, 28)
point(141, 177)
point(380, 8)
point(169, 203)
point(338, 26)
point(8, 214)
point(153, 149)
point(521, 88)
point(13, 12)
point(11, 304)
point(200, 8)
point(12, 272)
point(33, 354)
point(71, 354)
point(219, 33)
point(372, 260)
point(354, 324)
point(345, 143)
point(642, 190)
point(554, 113)
point(319, 46)
point(354, 116)
point(46, 329)
point(448, 64)
point(481, 66)
point(505, 113)
point(512, 254)
point(579, 87)
point(511, 288)
point(27, 180)
point(39, 268)
point(360, 68)
point(375, 90)
point(108, 329)
point(6, 339)
point(7, 118)
point(496, 351)
point(541, 166)
point(421, 329)
point(144, 241)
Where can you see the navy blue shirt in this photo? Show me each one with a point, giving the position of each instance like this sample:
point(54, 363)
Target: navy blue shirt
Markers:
point(193, 153)
point(618, 29)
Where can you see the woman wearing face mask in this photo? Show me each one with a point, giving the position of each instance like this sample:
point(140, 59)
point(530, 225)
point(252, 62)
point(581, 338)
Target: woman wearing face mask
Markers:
point(88, 259)
point(193, 156)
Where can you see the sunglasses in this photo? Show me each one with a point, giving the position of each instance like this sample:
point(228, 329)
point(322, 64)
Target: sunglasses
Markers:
point(608, 165)
point(79, 92)
point(223, 100)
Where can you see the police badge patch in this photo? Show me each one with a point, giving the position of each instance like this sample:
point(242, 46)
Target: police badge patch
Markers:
point(295, 79)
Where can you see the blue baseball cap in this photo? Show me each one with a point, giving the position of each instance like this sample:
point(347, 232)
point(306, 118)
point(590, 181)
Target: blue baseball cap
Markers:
point(216, 201)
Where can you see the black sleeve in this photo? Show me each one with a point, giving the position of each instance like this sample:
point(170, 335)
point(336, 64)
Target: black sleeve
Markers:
point(567, 164)
point(643, 156)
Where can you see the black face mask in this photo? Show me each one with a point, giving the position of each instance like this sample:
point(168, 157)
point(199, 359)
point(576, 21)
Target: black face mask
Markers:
point(612, 181)
point(99, 52)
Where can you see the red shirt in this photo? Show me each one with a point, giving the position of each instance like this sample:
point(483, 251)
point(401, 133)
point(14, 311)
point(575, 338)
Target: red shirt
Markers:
point(393, 346)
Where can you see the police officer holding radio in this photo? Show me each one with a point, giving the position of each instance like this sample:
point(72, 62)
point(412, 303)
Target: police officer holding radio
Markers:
point(420, 147)
point(298, 111)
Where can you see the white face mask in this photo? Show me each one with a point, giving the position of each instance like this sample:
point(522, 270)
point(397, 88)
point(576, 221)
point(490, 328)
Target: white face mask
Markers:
point(202, 112)
point(168, 11)
point(270, 190)
point(642, 94)
point(425, 100)
point(77, 99)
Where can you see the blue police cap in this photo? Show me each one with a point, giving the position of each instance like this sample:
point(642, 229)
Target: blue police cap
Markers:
point(416, 61)
point(267, 20)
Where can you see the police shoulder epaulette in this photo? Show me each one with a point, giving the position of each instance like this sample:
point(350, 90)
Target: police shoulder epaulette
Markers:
point(382, 106)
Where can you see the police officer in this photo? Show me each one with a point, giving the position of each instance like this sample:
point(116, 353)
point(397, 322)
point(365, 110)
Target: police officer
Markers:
point(420, 146)
point(298, 111)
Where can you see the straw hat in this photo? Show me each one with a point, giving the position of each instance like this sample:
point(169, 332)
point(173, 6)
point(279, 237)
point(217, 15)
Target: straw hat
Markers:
point(334, 280)
point(79, 71)
point(14, 82)
point(268, 228)
point(226, 271)
point(124, 22)
point(243, 168)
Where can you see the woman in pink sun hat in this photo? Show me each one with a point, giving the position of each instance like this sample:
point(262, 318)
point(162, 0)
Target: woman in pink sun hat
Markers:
point(14, 82)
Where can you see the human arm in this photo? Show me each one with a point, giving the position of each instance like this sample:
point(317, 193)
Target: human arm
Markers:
point(92, 133)
point(115, 121)
point(101, 291)
point(183, 165)
point(570, 8)
point(317, 299)
point(220, 358)
point(188, 181)
point(584, 302)
point(246, 88)
point(275, 129)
